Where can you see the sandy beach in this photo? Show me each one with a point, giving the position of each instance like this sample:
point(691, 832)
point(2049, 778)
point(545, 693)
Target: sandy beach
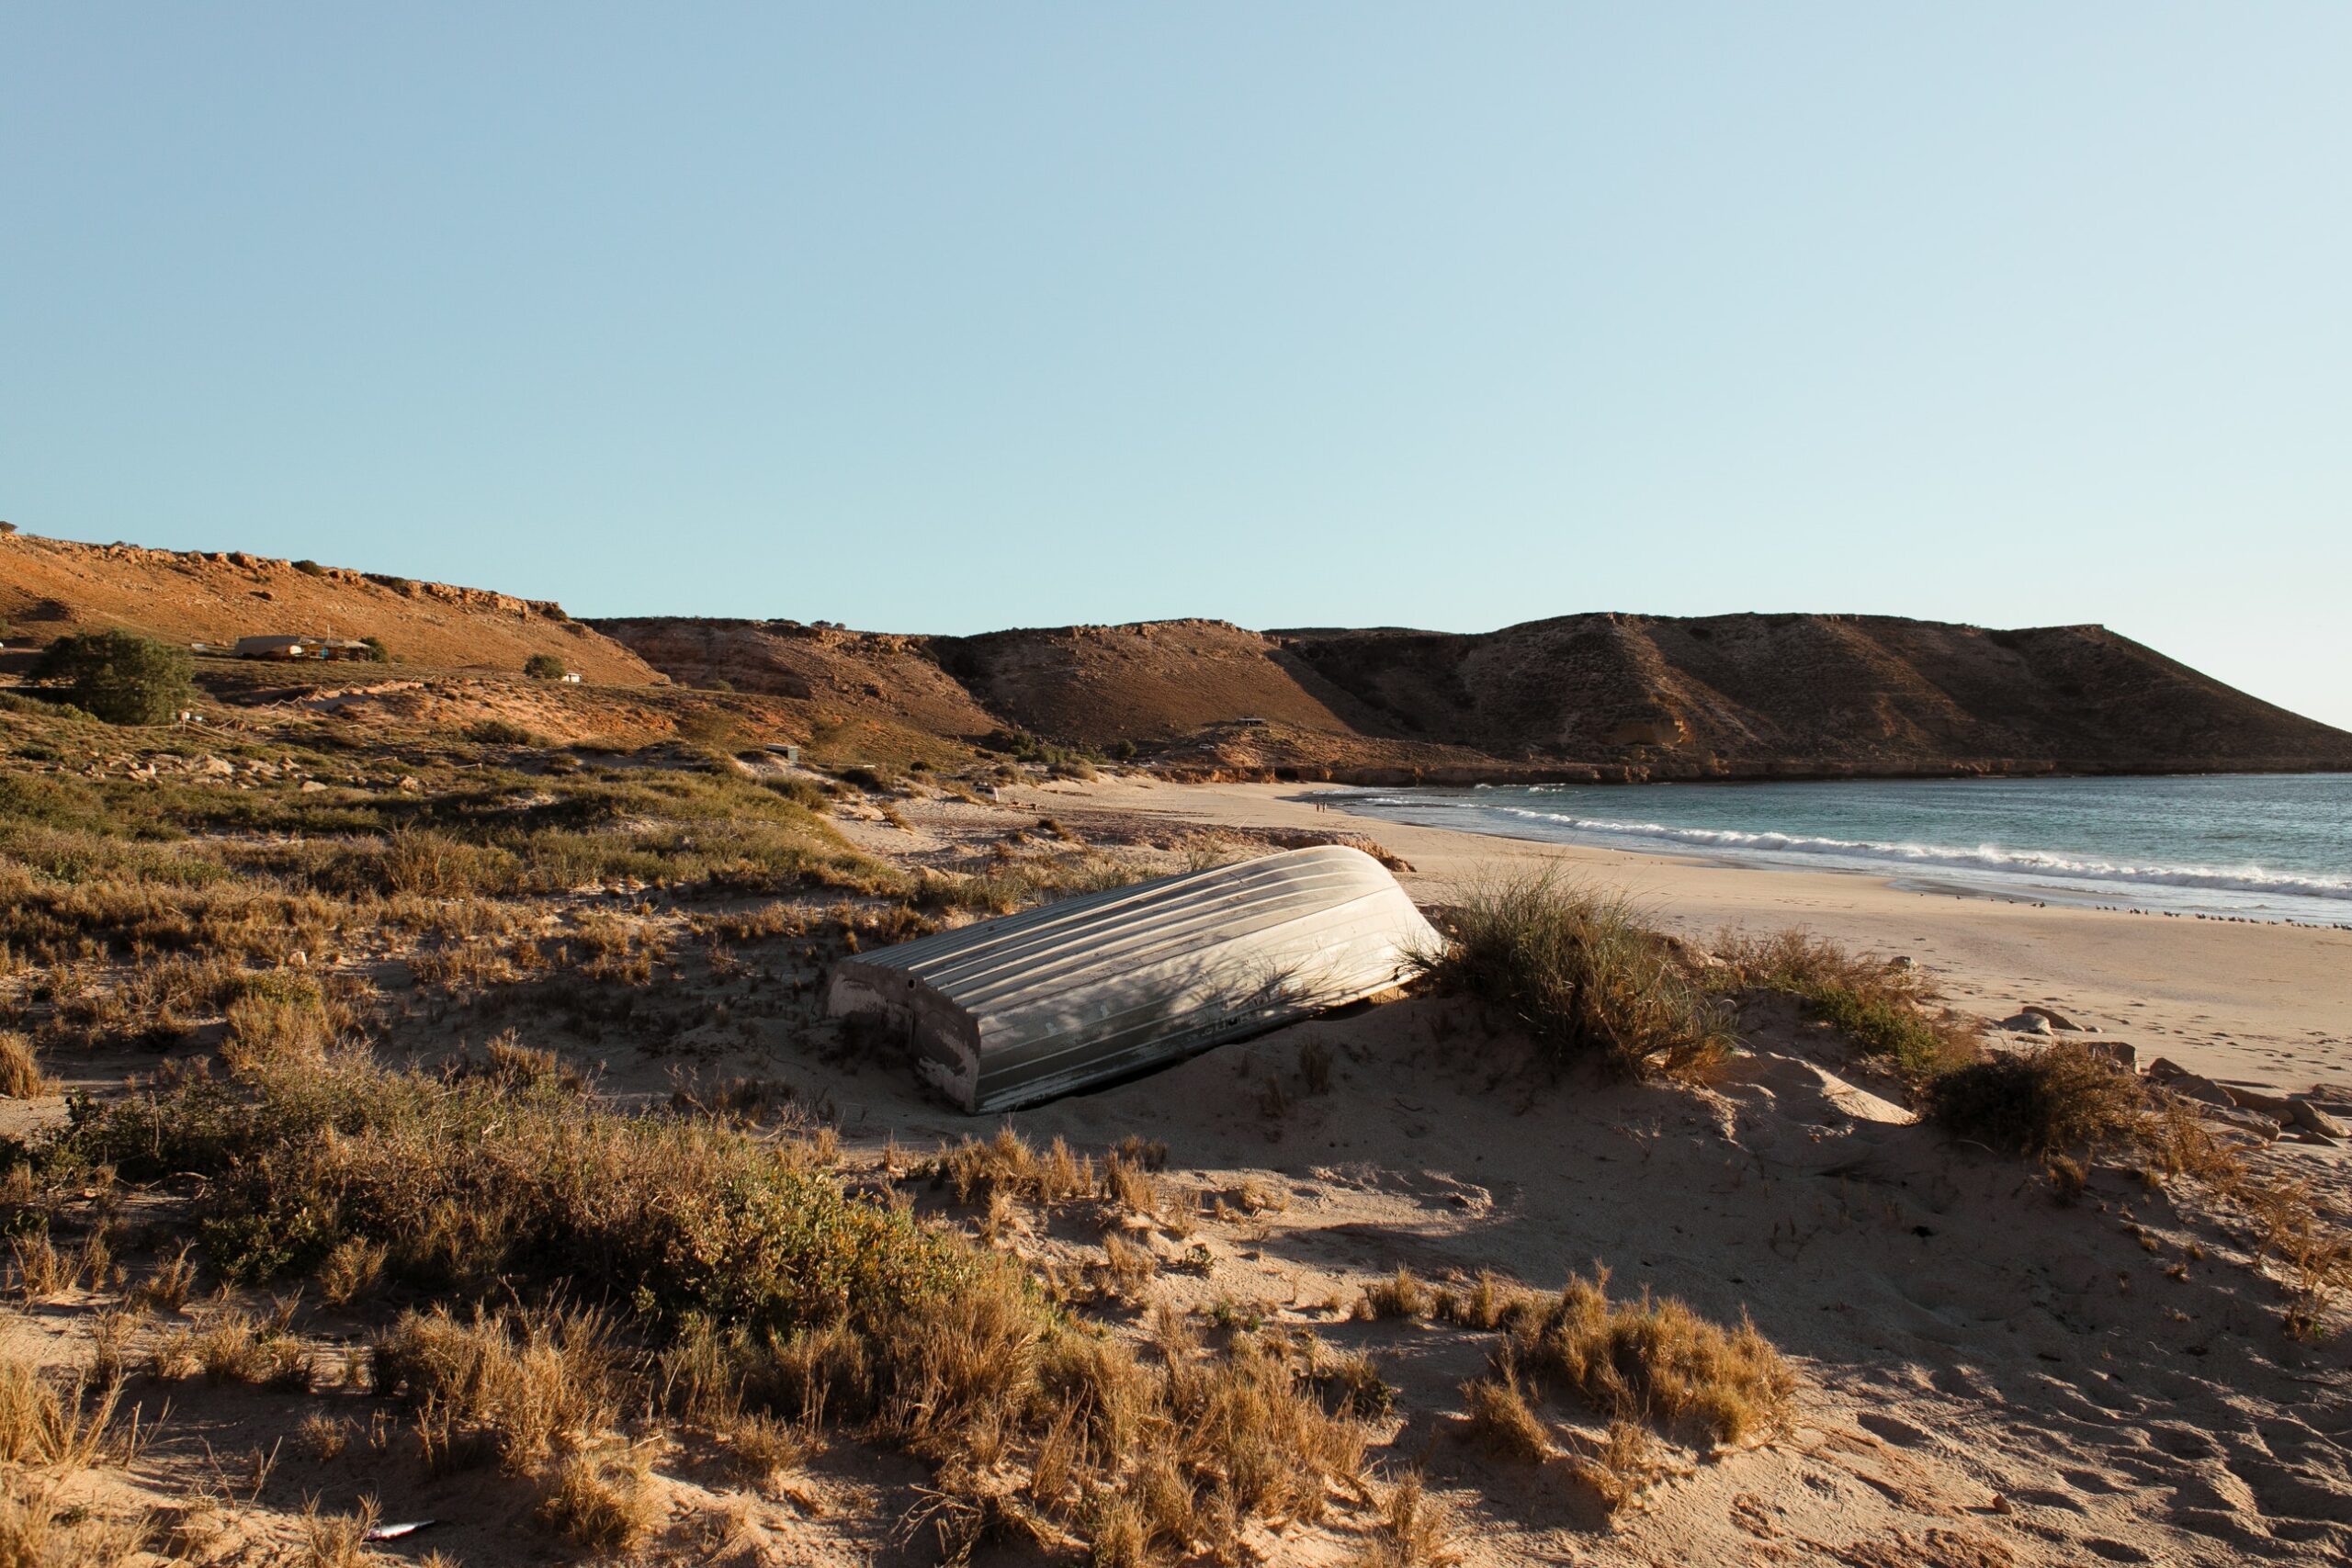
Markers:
point(2264, 1006)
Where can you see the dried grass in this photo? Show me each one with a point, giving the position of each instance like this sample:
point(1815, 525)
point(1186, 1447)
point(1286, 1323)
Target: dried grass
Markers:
point(38, 1532)
point(1411, 1531)
point(600, 1502)
point(70, 1428)
point(1402, 1294)
point(1570, 967)
point(20, 1074)
point(2058, 1098)
point(1501, 1420)
point(531, 1383)
point(1883, 1007)
point(1654, 1360)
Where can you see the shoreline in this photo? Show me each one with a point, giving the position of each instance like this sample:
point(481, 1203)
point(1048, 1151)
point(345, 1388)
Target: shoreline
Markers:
point(1469, 775)
point(2260, 1004)
point(1942, 875)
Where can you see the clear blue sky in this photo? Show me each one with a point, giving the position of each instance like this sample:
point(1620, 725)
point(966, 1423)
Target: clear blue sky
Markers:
point(953, 317)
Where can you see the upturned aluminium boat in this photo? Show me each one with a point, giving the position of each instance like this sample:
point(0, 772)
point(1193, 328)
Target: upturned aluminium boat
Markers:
point(1079, 992)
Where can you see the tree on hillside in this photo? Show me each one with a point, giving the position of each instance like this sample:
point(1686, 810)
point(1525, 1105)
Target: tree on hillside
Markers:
point(121, 677)
point(543, 667)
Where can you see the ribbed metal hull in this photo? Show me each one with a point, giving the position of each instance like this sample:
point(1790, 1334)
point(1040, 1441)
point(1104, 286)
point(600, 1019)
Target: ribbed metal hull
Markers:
point(1026, 1007)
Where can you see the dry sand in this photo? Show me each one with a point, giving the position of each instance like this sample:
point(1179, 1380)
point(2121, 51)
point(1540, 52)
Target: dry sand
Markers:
point(1990, 1378)
point(2267, 1005)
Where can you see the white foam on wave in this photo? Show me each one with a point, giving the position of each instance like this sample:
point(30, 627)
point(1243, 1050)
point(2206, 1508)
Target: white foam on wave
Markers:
point(1984, 858)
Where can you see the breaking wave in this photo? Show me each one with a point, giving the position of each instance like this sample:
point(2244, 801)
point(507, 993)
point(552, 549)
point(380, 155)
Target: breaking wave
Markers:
point(1984, 858)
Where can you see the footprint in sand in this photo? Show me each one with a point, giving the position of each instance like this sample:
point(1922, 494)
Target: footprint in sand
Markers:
point(1893, 1429)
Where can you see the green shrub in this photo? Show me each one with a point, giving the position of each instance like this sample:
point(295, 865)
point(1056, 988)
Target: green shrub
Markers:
point(870, 780)
point(376, 652)
point(122, 678)
point(501, 732)
point(309, 569)
point(543, 667)
point(1570, 966)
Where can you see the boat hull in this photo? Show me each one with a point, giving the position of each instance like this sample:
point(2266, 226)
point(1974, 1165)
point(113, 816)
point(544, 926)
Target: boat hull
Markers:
point(1027, 1006)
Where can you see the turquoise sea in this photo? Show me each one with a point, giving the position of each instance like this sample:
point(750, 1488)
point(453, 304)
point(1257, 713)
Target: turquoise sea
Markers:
point(2266, 846)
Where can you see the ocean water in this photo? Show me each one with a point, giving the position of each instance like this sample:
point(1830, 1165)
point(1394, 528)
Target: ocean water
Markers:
point(2266, 846)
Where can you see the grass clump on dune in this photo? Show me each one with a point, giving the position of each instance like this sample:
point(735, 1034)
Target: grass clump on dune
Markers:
point(1883, 1007)
point(20, 1074)
point(1651, 1367)
point(1572, 968)
point(2059, 1097)
point(1654, 1360)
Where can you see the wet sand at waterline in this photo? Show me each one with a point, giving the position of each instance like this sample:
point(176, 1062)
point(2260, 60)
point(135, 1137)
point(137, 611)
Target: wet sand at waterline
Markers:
point(2268, 1005)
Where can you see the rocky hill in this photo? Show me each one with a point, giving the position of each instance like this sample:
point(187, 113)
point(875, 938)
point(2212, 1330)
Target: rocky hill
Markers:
point(1795, 693)
point(1595, 695)
point(1610, 696)
point(50, 587)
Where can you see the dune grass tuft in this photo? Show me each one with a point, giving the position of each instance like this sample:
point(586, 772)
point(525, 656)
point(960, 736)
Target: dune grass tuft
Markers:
point(20, 1074)
point(1652, 1359)
point(1883, 1008)
point(1501, 1420)
point(1572, 967)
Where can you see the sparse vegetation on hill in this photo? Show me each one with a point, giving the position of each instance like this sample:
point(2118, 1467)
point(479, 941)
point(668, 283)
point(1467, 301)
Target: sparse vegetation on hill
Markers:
point(216, 597)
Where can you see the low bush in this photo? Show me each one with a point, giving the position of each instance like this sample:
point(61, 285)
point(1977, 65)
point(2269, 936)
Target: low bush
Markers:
point(543, 667)
point(2061, 1097)
point(1571, 967)
point(122, 678)
point(501, 732)
point(674, 1214)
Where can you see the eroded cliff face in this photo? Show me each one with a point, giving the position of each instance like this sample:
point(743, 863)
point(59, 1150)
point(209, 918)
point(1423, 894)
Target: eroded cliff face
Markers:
point(50, 587)
point(1597, 696)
